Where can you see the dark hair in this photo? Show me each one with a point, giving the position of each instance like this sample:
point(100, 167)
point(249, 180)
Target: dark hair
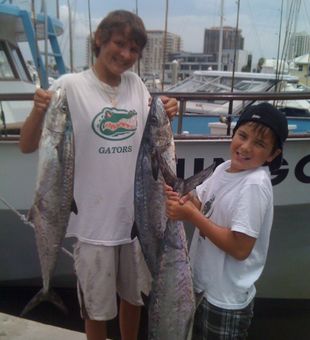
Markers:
point(118, 21)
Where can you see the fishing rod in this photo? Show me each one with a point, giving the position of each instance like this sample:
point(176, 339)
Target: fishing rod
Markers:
point(24, 219)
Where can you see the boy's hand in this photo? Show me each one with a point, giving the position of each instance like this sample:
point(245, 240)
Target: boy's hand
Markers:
point(41, 99)
point(171, 195)
point(171, 106)
point(177, 211)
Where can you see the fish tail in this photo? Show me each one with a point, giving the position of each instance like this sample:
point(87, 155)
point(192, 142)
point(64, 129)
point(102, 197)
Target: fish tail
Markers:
point(50, 296)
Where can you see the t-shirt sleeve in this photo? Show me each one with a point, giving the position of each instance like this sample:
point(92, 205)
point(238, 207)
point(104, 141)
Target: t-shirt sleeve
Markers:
point(250, 209)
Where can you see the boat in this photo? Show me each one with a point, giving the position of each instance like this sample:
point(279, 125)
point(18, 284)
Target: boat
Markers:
point(210, 116)
point(18, 256)
point(17, 26)
point(285, 275)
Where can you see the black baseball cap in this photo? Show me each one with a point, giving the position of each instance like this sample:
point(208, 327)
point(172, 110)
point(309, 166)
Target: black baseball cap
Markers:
point(268, 115)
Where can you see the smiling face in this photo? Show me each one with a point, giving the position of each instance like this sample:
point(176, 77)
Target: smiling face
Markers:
point(116, 56)
point(252, 146)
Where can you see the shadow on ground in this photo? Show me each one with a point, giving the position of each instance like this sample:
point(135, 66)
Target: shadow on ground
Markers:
point(273, 319)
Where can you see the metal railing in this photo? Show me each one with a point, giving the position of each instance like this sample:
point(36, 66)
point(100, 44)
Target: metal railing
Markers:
point(184, 97)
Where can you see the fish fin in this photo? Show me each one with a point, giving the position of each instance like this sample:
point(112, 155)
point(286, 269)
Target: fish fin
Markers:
point(74, 207)
point(169, 176)
point(41, 296)
point(145, 299)
point(198, 299)
point(32, 212)
point(192, 182)
point(134, 231)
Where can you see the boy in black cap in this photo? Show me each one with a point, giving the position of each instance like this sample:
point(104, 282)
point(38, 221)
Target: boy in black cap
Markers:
point(233, 211)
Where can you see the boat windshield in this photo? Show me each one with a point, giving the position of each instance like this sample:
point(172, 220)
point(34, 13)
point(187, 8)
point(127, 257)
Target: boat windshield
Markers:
point(12, 66)
point(6, 71)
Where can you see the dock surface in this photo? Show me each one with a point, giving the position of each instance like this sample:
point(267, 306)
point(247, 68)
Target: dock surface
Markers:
point(274, 319)
point(15, 328)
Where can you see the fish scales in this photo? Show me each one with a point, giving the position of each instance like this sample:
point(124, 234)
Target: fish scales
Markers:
point(151, 218)
point(171, 302)
point(51, 208)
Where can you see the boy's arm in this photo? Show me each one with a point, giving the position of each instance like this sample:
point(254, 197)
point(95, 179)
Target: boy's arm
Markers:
point(30, 133)
point(236, 244)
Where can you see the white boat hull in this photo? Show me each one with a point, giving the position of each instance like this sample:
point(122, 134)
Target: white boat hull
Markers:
point(286, 274)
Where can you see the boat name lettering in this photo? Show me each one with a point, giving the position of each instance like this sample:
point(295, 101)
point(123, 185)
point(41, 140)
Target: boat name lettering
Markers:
point(278, 176)
point(300, 170)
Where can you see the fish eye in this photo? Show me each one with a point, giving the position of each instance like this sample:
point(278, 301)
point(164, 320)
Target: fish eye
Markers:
point(63, 107)
point(154, 119)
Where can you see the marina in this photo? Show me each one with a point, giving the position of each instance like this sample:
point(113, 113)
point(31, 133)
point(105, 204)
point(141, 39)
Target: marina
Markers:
point(282, 309)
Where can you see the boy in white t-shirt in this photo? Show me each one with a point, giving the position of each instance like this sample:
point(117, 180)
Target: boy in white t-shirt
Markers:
point(233, 212)
point(109, 106)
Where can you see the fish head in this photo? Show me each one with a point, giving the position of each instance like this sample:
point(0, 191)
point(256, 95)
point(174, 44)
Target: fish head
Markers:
point(57, 112)
point(160, 131)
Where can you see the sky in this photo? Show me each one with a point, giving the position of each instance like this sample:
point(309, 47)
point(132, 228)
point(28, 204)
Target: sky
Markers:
point(259, 21)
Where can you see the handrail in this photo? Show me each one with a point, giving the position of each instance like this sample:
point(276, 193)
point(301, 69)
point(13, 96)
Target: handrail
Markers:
point(186, 96)
point(183, 97)
point(16, 96)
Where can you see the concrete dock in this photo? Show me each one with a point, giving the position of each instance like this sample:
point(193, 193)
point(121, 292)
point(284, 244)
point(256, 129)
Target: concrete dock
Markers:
point(15, 328)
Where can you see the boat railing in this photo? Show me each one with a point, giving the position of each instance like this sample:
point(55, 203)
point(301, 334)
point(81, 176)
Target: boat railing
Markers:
point(184, 97)
point(249, 97)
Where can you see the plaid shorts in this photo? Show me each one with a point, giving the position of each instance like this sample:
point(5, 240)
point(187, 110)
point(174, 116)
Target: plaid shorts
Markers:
point(214, 323)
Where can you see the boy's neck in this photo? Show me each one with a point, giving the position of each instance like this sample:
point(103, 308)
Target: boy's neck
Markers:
point(109, 79)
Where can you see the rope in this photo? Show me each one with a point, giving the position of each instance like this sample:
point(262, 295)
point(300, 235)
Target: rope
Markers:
point(24, 219)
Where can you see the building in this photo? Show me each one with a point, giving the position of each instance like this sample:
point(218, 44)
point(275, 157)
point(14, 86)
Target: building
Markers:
point(153, 55)
point(301, 69)
point(181, 65)
point(231, 41)
point(299, 45)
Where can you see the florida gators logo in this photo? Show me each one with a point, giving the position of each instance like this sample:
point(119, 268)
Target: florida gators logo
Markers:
point(114, 124)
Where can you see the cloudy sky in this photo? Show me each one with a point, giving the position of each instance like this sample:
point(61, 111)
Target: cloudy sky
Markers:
point(259, 20)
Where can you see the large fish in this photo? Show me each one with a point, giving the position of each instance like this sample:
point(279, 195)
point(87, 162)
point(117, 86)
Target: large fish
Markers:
point(171, 303)
point(53, 201)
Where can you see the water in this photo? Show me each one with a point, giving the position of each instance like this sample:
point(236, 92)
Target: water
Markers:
point(273, 319)
point(198, 124)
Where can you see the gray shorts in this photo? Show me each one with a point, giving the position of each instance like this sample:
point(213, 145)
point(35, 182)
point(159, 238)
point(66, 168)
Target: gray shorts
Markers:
point(105, 271)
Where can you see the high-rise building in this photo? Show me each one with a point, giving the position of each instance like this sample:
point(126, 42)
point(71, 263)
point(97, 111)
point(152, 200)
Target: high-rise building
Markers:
point(299, 44)
point(230, 39)
point(153, 55)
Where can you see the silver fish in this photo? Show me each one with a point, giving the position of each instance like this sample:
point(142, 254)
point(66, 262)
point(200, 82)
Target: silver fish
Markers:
point(172, 303)
point(53, 199)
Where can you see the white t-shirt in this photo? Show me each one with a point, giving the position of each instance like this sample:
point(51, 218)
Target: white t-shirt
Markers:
point(107, 141)
point(242, 202)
